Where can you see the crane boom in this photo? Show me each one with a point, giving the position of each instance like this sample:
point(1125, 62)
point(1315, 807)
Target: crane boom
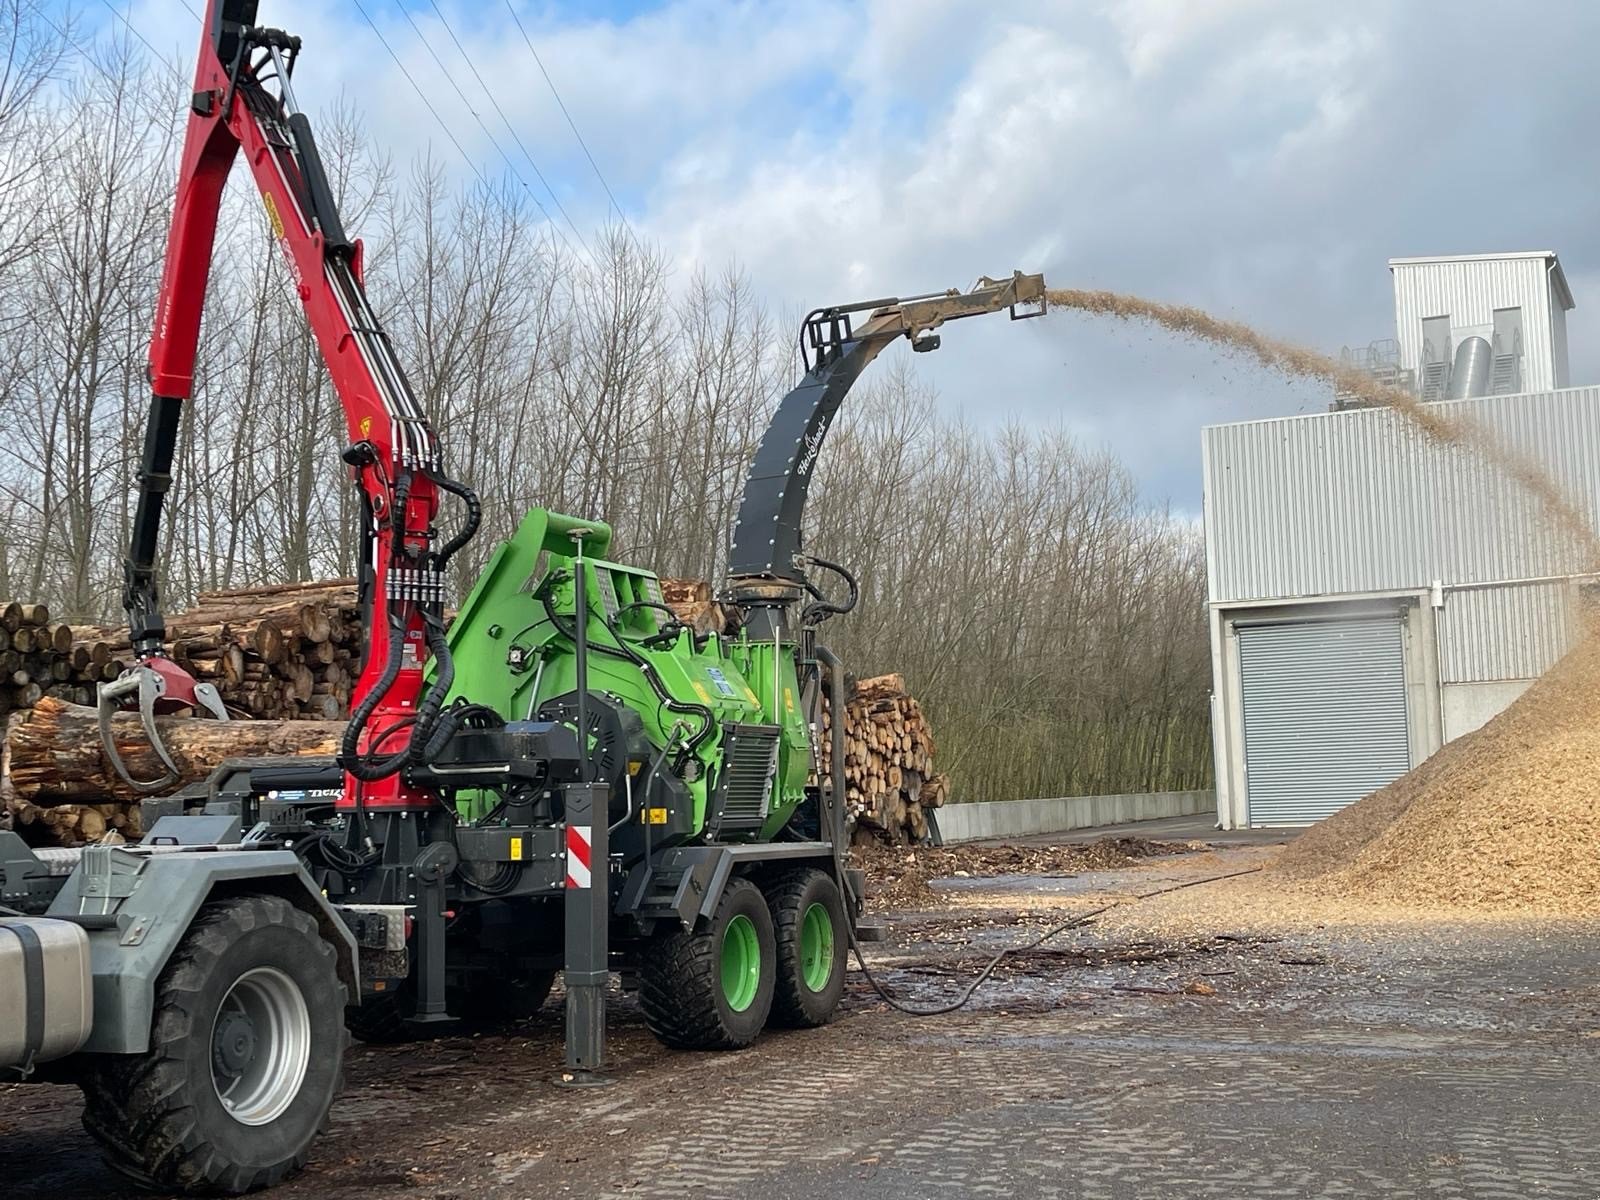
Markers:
point(243, 101)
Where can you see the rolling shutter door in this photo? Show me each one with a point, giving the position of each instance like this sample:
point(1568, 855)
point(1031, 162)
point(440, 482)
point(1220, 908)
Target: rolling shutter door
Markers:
point(1324, 715)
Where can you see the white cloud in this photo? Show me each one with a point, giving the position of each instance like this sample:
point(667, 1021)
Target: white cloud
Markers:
point(1256, 158)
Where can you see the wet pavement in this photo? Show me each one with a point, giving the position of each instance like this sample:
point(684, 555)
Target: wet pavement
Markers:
point(1457, 1059)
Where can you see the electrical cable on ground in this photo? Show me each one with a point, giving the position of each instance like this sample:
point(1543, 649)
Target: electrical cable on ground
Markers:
point(988, 970)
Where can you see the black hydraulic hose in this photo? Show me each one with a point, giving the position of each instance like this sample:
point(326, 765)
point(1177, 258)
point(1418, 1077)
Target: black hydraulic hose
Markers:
point(375, 767)
point(423, 736)
point(426, 740)
point(708, 719)
point(370, 770)
point(1073, 922)
point(836, 739)
point(828, 608)
point(451, 721)
point(474, 517)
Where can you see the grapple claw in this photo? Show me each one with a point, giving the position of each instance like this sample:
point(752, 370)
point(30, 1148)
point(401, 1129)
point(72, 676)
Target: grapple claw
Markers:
point(152, 686)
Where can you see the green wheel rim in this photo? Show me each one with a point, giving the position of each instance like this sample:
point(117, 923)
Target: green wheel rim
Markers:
point(741, 963)
point(816, 947)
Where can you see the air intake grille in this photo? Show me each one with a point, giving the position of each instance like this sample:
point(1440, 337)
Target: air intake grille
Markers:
point(743, 794)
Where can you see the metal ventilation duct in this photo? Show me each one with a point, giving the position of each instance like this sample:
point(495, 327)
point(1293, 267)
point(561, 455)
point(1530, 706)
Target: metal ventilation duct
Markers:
point(1473, 368)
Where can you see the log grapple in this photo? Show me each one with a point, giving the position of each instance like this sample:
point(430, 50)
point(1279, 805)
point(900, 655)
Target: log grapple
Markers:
point(565, 779)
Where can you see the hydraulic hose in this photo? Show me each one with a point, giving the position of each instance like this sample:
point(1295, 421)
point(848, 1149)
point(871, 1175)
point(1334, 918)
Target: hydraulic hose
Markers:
point(370, 770)
point(836, 740)
point(421, 745)
point(474, 517)
point(708, 719)
point(823, 607)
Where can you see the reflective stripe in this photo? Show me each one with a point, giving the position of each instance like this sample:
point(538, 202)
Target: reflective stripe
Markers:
point(578, 874)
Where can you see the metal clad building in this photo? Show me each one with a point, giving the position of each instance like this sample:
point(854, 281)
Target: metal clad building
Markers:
point(1374, 592)
point(1467, 292)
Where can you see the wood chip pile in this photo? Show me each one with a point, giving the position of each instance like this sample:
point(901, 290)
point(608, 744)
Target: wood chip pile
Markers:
point(1505, 818)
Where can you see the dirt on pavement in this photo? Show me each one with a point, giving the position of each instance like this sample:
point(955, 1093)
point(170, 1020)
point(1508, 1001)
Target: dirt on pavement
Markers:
point(1140, 1055)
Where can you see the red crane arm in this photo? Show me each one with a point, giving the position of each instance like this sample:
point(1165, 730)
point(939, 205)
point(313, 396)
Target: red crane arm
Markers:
point(243, 101)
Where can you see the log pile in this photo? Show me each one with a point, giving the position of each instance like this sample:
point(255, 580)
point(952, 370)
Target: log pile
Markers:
point(40, 658)
point(285, 654)
point(279, 652)
point(889, 773)
point(890, 780)
point(59, 785)
point(691, 600)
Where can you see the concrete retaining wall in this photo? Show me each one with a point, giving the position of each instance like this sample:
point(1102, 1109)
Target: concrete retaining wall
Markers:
point(1018, 818)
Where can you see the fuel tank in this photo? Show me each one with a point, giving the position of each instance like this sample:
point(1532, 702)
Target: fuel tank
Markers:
point(46, 991)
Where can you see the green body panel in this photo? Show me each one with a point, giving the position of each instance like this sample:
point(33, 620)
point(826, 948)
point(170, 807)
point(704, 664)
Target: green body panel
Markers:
point(510, 655)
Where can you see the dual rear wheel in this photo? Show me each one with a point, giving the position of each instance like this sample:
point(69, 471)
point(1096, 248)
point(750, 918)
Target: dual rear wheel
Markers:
point(772, 954)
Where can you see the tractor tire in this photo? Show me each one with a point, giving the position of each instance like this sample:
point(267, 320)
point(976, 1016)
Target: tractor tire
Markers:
point(381, 1020)
point(503, 1001)
point(246, 1056)
point(711, 988)
point(809, 922)
point(384, 1020)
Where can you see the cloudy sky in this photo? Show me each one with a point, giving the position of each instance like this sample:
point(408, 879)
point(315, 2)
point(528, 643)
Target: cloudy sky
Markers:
point(1259, 159)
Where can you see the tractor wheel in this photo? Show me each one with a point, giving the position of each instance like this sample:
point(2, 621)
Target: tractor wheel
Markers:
point(381, 1020)
point(501, 1001)
point(711, 988)
point(808, 917)
point(246, 1056)
point(384, 1020)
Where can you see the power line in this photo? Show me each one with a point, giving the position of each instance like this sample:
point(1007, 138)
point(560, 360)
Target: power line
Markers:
point(472, 166)
point(492, 140)
point(573, 125)
point(504, 120)
point(161, 58)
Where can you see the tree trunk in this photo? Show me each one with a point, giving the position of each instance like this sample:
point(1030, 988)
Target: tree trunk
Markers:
point(54, 755)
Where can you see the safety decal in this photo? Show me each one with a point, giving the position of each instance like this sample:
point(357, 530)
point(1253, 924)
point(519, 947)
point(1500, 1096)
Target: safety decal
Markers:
point(578, 856)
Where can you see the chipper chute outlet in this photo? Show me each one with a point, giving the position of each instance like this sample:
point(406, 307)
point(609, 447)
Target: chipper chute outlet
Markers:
point(565, 778)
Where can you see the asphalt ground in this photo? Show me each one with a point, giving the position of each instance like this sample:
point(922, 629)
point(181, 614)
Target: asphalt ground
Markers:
point(1439, 1059)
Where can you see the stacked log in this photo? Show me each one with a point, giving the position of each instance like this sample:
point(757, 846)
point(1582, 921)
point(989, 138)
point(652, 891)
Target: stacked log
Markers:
point(889, 773)
point(286, 655)
point(38, 658)
point(890, 780)
point(60, 788)
point(280, 652)
point(692, 601)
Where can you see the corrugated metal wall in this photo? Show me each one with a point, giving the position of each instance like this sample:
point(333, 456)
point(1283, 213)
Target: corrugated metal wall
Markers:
point(1362, 501)
point(1324, 706)
point(1468, 293)
point(1488, 634)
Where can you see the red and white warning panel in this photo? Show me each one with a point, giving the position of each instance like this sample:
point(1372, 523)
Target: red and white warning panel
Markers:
point(578, 856)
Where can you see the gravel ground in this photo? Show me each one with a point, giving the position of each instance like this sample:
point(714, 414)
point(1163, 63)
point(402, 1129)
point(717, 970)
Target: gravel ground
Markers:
point(1200, 1045)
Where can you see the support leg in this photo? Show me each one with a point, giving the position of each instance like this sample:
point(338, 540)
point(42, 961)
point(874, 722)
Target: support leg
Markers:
point(588, 915)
